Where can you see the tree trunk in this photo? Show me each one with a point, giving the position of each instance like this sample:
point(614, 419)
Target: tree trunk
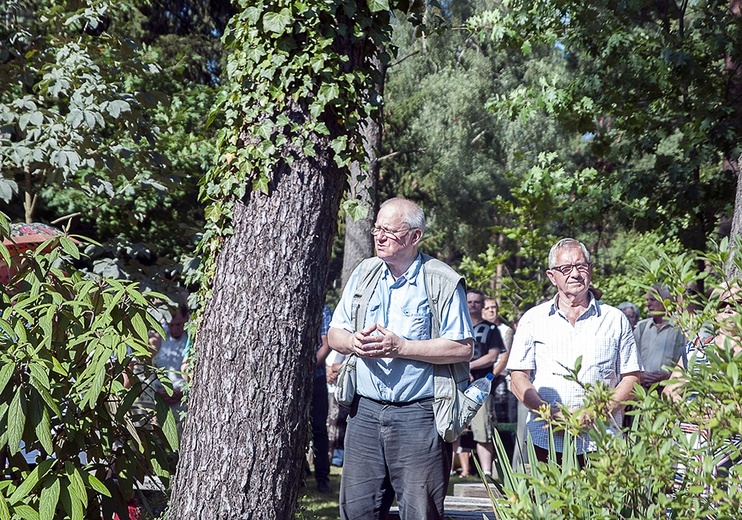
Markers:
point(245, 440)
point(359, 243)
point(734, 164)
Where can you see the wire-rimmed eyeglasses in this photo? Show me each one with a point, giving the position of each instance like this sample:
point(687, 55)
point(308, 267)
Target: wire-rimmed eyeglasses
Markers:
point(393, 233)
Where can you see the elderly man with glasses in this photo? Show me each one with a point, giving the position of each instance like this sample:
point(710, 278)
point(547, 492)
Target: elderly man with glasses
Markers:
point(553, 335)
point(393, 448)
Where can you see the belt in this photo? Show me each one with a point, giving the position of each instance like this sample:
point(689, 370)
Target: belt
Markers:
point(399, 403)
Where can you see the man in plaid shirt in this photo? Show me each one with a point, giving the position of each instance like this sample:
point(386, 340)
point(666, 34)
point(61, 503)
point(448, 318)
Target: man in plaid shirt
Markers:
point(552, 336)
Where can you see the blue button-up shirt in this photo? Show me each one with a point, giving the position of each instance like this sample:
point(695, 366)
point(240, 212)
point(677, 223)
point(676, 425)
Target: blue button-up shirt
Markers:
point(401, 306)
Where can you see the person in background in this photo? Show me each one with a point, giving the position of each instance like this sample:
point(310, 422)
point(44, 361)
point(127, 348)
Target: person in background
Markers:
point(553, 335)
point(631, 311)
point(168, 355)
point(659, 340)
point(337, 414)
point(506, 405)
point(320, 441)
point(695, 355)
point(488, 348)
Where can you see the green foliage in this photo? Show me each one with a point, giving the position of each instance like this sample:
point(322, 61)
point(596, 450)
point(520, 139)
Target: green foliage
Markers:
point(633, 476)
point(546, 190)
point(65, 113)
point(134, 152)
point(649, 91)
point(442, 147)
point(68, 391)
point(298, 72)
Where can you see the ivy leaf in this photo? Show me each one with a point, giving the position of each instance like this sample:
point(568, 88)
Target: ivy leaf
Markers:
point(277, 22)
point(261, 184)
point(378, 5)
point(356, 209)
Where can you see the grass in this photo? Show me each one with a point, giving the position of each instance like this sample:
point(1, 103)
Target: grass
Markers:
point(314, 505)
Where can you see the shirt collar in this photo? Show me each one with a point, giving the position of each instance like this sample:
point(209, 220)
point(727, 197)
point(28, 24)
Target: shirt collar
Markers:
point(667, 323)
point(593, 309)
point(410, 276)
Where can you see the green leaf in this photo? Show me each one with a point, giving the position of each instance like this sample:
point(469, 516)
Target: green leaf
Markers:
point(43, 432)
point(71, 504)
point(139, 325)
point(261, 184)
point(26, 511)
point(328, 92)
point(378, 5)
point(132, 394)
point(277, 22)
point(95, 484)
point(29, 483)
point(16, 421)
point(49, 498)
point(356, 209)
point(48, 399)
point(733, 373)
point(115, 108)
point(4, 511)
point(69, 247)
point(6, 372)
point(75, 118)
point(166, 418)
point(77, 484)
point(39, 374)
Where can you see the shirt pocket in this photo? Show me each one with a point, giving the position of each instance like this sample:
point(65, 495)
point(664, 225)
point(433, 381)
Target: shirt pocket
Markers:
point(417, 322)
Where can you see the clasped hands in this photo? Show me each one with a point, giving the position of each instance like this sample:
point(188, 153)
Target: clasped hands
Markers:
point(376, 341)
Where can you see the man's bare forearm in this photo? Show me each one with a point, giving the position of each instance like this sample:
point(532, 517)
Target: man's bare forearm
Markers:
point(625, 390)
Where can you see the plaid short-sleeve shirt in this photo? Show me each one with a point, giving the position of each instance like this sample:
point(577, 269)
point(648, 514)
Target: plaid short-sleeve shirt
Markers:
point(548, 345)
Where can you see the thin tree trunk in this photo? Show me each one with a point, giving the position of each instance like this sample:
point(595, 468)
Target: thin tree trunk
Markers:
point(734, 164)
point(359, 243)
point(246, 434)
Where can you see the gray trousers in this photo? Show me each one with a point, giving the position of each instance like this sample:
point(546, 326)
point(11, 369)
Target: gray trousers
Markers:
point(393, 450)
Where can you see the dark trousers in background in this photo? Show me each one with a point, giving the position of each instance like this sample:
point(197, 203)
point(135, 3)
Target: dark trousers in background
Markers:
point(394, 449)
point(319, 430)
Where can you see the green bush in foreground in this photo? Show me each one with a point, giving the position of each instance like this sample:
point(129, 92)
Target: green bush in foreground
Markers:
point(67, 347)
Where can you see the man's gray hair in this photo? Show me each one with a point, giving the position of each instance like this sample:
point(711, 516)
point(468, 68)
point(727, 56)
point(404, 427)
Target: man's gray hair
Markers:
point(412, 214)
point(629, 305)
point(567, 243)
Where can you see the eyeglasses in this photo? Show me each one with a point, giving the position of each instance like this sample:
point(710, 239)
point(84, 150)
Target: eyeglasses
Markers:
point(393, 233)
point(566, 269)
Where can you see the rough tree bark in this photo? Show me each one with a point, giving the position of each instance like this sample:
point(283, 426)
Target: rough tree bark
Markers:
point(359, 243)
point(245, 439)
point(734, 164)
